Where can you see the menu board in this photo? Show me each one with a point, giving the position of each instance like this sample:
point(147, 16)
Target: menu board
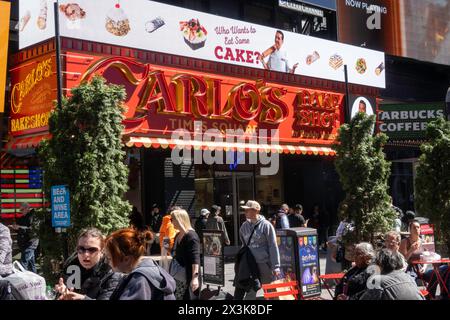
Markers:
point(213, 257)
point(427, 237)
point(309, 265)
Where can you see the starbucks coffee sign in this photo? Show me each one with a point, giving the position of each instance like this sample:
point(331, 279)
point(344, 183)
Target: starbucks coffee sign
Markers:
point(408, 121)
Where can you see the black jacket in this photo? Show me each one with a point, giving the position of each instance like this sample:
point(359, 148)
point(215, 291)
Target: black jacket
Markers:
point(200, 225)
point(147, 282)
point(356, 282)
point(26, 236)
point(296, 220)
point(98, 283)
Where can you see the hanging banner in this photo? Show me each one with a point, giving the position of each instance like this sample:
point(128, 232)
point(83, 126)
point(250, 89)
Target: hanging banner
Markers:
point(60, 207)
point(173, 30)
point(5, 8)
point(213, 255)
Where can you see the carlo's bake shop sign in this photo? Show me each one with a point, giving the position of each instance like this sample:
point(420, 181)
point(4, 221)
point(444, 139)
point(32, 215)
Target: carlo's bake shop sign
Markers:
point(158, 27)
point(32, 95)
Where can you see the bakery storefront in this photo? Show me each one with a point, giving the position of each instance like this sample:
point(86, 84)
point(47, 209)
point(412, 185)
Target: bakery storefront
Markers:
point(205, 122)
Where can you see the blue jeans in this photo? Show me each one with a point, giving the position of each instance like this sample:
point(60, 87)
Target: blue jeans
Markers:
point(28, 259)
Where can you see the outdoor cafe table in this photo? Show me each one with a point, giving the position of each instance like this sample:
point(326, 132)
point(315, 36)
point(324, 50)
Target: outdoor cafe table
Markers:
point(436, 264)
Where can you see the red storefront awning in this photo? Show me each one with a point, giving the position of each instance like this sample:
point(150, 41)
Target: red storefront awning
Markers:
point(226, 146)
point(26, 142)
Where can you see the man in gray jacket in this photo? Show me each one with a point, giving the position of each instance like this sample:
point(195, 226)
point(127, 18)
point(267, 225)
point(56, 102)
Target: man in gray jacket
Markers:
point(263, 245)
point(5, 251)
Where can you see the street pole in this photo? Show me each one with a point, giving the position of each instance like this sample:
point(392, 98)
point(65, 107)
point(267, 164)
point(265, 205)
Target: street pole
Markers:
point(347, 97)
point(447, 105)
point(58, 55)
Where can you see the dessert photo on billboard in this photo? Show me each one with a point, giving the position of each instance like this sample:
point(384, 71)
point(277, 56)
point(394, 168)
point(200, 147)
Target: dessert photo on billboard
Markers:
point(336, 61)
point(117, 22)
point(42, 18)
point(72, 11)
point(379, 69)
point(310, 59)
point(194, 34)
point(24, 20)
point(361, 66)
point(155, 24)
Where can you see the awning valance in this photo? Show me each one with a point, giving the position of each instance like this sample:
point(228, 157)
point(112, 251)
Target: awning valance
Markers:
point(163, 143)
point(26, 142)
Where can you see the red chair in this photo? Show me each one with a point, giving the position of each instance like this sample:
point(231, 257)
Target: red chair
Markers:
point(336, 277)
point(271, 292)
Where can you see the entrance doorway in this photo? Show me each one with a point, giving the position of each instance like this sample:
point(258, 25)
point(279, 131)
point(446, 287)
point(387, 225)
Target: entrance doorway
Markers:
point(230, 189)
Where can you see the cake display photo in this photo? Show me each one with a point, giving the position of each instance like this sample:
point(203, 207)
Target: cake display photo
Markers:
point(24, 20)
point(155, 24)
point(72, 11)
point(117, 21)
point(194, 34)
point(310, 59)
point(336, 61)
point(42, 19)
point(361, 66)
point(379, 69)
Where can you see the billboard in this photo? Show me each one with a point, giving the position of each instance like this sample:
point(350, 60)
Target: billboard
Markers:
point(36, 22)
point(413, 29)
point(5, 8)
point(179, 31)
point(408, 121)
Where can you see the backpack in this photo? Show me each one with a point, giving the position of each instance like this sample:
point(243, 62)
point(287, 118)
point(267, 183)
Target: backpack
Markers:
point(247, 275)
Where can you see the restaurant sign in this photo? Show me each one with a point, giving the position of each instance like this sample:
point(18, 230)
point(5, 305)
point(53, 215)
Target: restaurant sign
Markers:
point(33, 92)
point(408, 121)
point(161, 100)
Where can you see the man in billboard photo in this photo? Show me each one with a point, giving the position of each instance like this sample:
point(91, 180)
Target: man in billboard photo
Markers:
point(278, 59)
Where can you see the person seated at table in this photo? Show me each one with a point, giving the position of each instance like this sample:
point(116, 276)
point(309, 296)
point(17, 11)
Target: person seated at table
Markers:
point(392, 240)
point(393, 283)
point(355, 280)
point(411, 248)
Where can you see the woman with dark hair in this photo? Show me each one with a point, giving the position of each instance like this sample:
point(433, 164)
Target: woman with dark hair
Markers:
point(87, 273)
point(145, 280)
point(393, 283)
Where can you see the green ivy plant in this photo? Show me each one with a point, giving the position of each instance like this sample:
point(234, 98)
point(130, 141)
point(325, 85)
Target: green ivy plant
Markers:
point(86, 154)
point(364, 173)
point(432, 185)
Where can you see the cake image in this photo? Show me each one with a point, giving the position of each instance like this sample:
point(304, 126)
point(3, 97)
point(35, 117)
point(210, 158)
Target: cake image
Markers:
point(310, 59)
point(154, 24)
point(379, 69)
point(336, 61)
point(42, 18)
point(117, 22)
point(194, 34)
point(72, 11)
point(24, 20)
point(361, 66)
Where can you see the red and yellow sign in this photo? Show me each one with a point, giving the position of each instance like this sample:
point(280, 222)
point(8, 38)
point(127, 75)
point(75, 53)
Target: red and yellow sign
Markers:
point(161, 100)
point(33, 90)
point(5, 8)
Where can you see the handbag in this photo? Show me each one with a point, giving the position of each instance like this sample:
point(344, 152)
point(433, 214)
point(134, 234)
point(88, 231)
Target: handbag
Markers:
point(177, 271)
point(31, 286)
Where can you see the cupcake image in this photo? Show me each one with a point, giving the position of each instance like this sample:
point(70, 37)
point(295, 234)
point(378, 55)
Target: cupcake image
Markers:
point(194, 34)
point(117, 22)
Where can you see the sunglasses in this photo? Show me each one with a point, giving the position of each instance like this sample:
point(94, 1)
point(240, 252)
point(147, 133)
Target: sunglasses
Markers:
point(82, 250)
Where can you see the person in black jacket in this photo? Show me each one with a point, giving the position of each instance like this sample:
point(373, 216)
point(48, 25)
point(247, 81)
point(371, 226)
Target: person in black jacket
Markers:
point(187, 255)
point(145, 280)
point(201, 223)
point(87, 275)
point(354, 282)
point(296, 219)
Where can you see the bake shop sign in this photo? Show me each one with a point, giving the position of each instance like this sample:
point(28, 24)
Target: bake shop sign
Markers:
point(164, 100)
point(408, 121)
point(159, 27)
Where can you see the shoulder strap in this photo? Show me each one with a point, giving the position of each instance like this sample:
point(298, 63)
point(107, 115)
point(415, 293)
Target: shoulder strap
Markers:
point(253, 231)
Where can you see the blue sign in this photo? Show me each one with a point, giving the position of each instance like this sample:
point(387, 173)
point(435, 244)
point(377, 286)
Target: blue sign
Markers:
point(60, 207)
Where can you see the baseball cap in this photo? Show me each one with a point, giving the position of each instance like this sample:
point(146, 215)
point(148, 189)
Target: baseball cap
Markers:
point(204, 212)
point(251, 204)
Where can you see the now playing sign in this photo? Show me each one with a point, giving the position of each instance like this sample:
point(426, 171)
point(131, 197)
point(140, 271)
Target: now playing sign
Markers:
point(60, 207)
